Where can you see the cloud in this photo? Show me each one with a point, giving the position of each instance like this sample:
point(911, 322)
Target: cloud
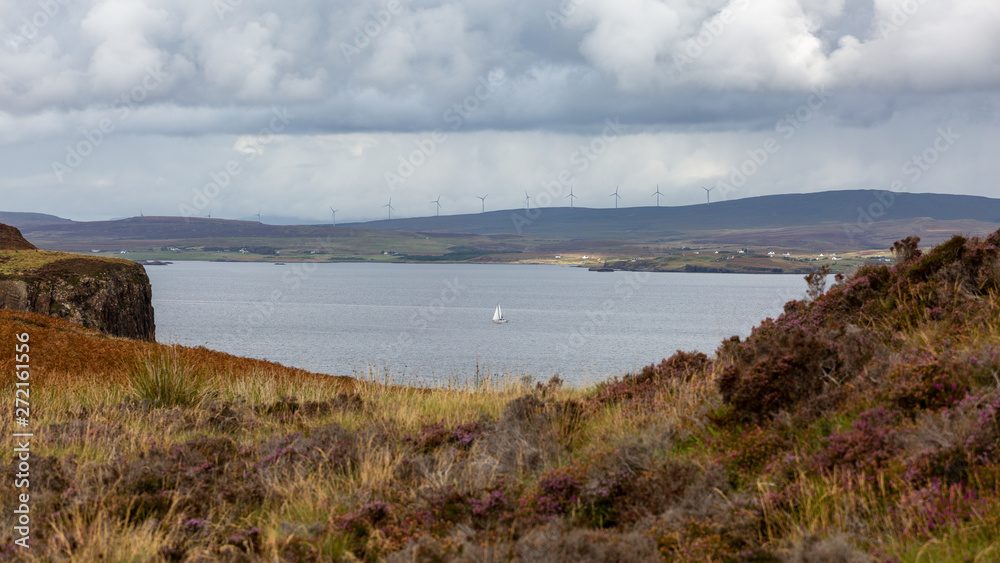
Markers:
point(698, 83)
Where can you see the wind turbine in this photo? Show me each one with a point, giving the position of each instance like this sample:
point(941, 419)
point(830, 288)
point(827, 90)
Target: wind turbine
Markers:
point(209, 213)
point(484, 201)
point(140, 213)
point(708, 192)
point(657, 194)
point(527, 200)
point(334, 211)
point(438, 203)
point(571, 197)
point(258, 215)
point(389, 205)
point(616, 196)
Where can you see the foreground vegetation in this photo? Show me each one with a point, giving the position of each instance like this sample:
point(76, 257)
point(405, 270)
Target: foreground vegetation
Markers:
point(862, 424)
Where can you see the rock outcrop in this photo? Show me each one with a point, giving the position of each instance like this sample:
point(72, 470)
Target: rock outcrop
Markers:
point(11, 239)
point(110, 295)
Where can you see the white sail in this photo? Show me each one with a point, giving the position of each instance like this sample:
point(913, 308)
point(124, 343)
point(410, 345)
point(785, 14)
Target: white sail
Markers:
point(498, 316)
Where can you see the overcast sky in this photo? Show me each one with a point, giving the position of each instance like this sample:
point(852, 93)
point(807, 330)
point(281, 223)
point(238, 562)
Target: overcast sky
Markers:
point(231, 106)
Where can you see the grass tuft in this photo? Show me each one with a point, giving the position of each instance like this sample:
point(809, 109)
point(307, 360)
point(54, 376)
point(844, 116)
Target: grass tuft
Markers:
point(164, 380)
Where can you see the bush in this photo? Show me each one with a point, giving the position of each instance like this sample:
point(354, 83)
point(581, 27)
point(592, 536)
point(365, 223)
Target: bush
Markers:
point(774, 369)
point(166, 381)
point(682, 366)
point(869, 444)
point(927, 382)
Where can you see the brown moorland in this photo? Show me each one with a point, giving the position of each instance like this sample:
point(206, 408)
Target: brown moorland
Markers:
point(862, 424)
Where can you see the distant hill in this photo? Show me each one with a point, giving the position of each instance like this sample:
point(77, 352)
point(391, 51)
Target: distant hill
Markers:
point(23, 220)
point(831, 209)
point(842, 220)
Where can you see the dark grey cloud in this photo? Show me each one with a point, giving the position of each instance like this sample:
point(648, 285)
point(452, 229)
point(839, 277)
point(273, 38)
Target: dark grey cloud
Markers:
point(181, 87)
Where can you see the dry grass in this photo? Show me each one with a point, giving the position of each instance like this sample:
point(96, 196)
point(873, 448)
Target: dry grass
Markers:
point(20, 262)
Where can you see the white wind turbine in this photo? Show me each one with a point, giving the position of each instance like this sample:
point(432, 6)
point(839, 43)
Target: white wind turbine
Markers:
point(657, 194)
point(571, 197)
point(708, 192)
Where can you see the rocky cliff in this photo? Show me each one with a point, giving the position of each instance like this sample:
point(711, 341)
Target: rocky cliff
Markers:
point(110, 295)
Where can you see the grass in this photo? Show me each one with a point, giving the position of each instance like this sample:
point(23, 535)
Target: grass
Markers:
point(165, 381)
point(20, 262)
point(145, 452)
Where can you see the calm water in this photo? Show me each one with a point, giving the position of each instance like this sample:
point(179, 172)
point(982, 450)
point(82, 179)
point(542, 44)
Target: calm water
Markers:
point(430, 322)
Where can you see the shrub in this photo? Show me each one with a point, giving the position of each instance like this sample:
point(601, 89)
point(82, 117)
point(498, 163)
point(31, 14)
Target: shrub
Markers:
point(166, 381)
point(751, 449)
point(868, 445)
point(682, 366)
point(906, 249)
point(816, 282)
point(926, 382)
point(939, 505)
point(559, 491)
point(813, 549)
point(774, 369)
point(555, 542)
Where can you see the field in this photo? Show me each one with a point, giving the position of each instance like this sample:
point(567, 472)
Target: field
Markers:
point(862, 424)
point(15, 263)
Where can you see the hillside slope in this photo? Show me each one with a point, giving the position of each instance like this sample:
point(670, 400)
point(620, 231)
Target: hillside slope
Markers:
point(824, 221)
point(11, 239)
point(855, 208)
point(863, 424)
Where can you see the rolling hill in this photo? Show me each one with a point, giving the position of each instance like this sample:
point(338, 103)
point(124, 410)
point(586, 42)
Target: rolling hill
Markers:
point(830, 211)
point(840, 220)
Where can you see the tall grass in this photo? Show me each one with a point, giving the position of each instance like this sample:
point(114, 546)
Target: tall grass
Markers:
point(164, 380)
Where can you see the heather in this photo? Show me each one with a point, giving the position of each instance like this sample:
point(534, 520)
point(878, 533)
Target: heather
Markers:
point(862, 424)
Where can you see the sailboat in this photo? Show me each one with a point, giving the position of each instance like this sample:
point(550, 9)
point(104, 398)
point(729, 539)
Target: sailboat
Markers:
point(498, 315)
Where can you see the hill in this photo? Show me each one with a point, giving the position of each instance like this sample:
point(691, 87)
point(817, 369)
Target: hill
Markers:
point(863, 424)
point(817, 222)
point(24, 220)
point(11, 239)
point(834, 210)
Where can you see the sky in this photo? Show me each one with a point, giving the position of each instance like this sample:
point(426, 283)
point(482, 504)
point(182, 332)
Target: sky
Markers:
point(109, 108)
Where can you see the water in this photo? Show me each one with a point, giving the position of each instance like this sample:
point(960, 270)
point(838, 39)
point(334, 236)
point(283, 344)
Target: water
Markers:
point(430, 322)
